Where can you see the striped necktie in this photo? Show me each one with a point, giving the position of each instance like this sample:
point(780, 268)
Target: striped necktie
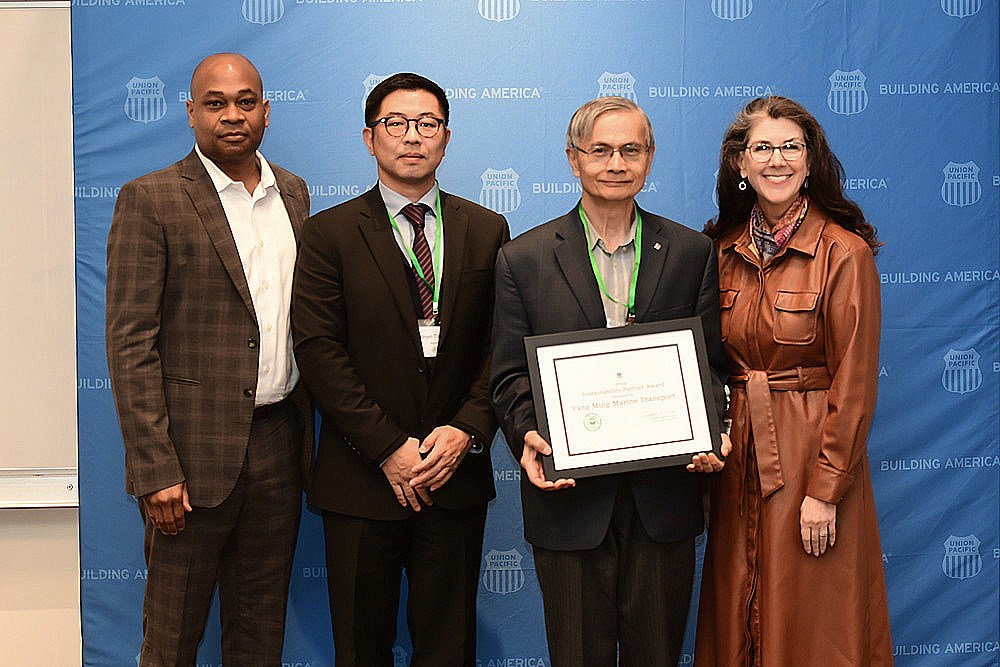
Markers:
point(425, 290)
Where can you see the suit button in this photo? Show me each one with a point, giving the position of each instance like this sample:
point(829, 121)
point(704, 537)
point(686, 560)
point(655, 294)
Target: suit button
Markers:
point(248, 392)
point(252, 343)
point(420, 370)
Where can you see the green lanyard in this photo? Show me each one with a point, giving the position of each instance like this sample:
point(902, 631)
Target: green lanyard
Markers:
point(635, 268)
point(435, 259)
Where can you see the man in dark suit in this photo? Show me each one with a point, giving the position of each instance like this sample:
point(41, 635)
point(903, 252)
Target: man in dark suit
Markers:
point(614, 554)
point(391, 314)
point(216, 430)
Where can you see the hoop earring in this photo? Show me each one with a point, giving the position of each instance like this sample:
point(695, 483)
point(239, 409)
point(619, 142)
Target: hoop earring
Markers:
point(743, 185)
point(805, 184)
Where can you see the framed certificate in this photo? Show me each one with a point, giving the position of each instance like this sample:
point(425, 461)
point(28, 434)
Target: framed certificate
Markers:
point(622, 399)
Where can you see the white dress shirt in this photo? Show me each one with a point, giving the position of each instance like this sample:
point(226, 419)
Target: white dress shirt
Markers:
point(266, 244)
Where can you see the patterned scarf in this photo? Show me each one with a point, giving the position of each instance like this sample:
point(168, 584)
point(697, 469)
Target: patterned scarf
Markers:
point(770, 241)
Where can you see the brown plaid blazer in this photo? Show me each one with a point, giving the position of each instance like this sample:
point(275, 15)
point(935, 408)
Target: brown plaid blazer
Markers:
point(181, 332)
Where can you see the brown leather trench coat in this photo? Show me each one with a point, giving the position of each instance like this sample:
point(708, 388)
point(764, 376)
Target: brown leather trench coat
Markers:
point(802, 336)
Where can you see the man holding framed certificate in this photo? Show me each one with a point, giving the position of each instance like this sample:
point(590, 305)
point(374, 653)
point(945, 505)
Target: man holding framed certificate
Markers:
point(613, 543)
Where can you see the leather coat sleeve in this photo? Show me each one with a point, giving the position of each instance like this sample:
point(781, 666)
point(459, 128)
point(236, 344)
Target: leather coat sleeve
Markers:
point(707, 308)
point(852, 317)
point(136, 274)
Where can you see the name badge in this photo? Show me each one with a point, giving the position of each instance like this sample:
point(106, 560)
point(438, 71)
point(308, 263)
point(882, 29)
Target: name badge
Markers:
point(430, 334)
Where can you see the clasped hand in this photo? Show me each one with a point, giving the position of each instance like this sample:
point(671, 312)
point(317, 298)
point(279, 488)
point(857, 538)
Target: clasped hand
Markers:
point(413, 476)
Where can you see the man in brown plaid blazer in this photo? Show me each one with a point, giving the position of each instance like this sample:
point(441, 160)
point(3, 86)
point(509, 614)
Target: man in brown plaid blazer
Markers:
point(215, 426)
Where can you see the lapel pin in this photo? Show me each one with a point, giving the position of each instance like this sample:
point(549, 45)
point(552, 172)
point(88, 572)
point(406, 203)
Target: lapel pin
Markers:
point(657, 246)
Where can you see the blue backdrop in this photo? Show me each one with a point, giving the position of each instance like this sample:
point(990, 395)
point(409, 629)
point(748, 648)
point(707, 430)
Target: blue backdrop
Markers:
point(906, 89)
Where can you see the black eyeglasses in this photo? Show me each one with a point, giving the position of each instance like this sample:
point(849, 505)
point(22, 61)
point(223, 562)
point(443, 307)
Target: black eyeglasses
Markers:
point(398, 126)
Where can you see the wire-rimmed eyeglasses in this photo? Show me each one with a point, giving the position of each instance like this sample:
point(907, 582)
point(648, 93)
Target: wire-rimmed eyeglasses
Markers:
point(761, 151)
point(603, 152)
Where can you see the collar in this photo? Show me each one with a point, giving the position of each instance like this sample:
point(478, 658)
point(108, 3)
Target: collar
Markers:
point(221, 181)
point(807, 237)
point(805, 240)
point(395, 201)
point(596, 240)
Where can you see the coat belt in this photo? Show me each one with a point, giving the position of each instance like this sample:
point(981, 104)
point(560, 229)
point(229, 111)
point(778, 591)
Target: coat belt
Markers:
point(759, 385)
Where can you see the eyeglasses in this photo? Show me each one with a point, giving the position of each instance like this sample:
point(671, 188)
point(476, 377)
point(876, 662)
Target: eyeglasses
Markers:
point(603, 153)
point(761, 151)
point(397, 126)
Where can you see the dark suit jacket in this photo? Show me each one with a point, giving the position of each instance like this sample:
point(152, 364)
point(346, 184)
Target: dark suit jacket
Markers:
point(181, 332)
point(545, 284)
point(357, 344)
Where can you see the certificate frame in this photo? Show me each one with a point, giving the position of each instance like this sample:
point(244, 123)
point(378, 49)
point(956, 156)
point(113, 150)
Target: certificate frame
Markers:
point(662, 419)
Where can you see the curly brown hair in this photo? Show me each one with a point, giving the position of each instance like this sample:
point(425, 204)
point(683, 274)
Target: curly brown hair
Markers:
point(825, 172)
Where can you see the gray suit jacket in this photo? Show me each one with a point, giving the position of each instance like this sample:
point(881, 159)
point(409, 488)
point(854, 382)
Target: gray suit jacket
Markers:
point(181, 332)
point(545, 284)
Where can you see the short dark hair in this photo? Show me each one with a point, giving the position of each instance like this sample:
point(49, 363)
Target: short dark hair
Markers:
point(402, 81)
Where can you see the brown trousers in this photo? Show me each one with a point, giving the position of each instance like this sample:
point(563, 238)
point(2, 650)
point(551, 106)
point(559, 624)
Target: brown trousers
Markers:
point(245, 544)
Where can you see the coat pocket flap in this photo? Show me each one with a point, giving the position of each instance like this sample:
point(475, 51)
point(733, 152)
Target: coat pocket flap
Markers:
point(795, 301)
point(727, 297)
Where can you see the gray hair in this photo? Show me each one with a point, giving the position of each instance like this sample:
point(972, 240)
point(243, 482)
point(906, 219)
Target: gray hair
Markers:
point(581, 125)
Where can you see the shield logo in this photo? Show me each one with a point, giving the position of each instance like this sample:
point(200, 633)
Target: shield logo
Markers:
point(961, 371)
point(847, 92)
point(369, 83)
point(500, 191)
point(499, 10)
point(732, 10)
point(961, 8)
point(961, 557)
point(621, 84)
point(961, 184)
point(145, 102)
point(263, 11)
point(503, 574)
point(399, 657)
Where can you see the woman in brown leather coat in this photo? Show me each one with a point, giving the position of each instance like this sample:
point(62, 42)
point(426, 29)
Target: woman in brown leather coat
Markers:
point(793, 571)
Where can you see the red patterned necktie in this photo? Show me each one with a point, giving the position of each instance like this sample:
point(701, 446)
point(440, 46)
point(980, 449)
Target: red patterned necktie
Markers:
point(425, 290)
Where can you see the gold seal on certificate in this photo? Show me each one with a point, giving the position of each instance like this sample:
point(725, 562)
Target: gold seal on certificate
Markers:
point(629, 398)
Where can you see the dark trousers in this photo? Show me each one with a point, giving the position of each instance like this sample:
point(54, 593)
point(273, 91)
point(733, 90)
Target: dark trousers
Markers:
point(440, 551)
point(245, 545)
point(623, 603)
